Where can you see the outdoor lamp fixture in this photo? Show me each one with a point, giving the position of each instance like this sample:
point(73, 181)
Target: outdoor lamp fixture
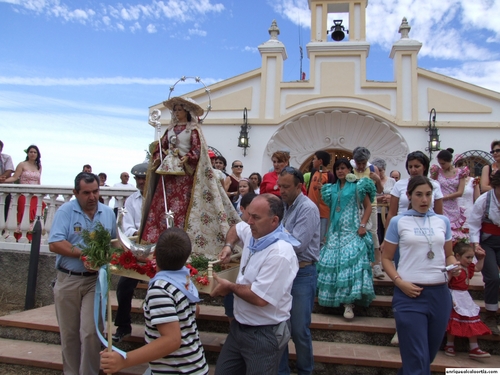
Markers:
point(243, 138)
point(434, 142)
point(337, 31)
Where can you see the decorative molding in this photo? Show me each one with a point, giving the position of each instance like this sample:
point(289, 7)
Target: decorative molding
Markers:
point(338, 129)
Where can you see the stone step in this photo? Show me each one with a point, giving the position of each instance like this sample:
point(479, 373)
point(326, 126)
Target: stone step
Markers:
point(329, 357)
point(41, 355)
point(325, 327)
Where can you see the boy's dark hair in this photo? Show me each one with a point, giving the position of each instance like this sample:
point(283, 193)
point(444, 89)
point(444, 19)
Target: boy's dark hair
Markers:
point(172, 249)
point(461, 248)
point(323, 156)
point(247, 199)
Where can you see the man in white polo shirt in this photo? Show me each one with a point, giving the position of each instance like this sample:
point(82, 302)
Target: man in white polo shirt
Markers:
point(262, 292)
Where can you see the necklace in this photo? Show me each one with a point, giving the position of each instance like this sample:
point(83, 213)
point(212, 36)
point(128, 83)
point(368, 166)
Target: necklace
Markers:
point(430, 253)
point(248, 261)
point(338, 199)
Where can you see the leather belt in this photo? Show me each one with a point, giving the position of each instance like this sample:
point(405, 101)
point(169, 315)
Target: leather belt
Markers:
point(76, 273)
point(304, 264)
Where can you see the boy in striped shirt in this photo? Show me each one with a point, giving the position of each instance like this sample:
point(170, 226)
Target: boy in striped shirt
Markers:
point(173, 342)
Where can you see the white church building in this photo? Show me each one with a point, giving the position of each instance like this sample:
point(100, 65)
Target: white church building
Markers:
point(338, 109)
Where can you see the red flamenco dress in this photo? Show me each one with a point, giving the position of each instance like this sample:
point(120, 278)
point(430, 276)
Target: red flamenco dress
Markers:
point(27, 178)
point(464, 320)
point(178, 190)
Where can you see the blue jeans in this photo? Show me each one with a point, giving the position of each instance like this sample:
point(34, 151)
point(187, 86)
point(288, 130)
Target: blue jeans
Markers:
point(423, 322)
point(303, 293)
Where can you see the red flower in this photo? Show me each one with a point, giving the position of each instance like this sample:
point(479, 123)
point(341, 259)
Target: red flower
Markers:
point(127, 260)
point(203, 280)
point(151, 268)
point(192, 271)
point(115, 259)
point(83, 258)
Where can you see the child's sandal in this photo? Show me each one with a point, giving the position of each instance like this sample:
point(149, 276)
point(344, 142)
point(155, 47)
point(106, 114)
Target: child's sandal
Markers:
point(449, 350)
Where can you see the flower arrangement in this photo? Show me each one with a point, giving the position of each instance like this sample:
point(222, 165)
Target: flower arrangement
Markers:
point(198, 267)
point(97, 250)
point(477, 181)
point(128, 261)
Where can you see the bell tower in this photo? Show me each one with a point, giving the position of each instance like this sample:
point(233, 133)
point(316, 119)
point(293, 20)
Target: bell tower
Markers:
point(331, 18)
point(338, 48)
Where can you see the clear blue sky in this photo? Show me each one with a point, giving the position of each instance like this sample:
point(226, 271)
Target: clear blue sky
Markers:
point(77, 78)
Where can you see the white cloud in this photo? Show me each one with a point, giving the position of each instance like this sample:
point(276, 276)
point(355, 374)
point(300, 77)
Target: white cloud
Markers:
point(37, 81)
point(197, 32)
point(296, 11)
point(151, 28)
point(180, 10)
point(250, 49)
point(484, 74)
point(448, 29)
point(136, 26)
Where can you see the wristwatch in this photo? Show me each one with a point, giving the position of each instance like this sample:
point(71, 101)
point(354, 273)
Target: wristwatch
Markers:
point(233, 251)
point(362, 225)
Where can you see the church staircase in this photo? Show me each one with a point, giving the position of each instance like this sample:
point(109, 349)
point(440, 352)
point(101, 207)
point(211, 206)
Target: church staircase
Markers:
point(29, 340)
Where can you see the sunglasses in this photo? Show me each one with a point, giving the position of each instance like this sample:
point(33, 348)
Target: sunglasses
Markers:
point(295, 172)
point(237, 166)
point(497, 150)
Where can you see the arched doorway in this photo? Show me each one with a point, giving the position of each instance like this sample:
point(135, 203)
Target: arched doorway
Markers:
point(334, 155)
point(338, 131)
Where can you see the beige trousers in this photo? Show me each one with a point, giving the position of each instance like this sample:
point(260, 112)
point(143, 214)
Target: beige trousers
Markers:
point(74, 301)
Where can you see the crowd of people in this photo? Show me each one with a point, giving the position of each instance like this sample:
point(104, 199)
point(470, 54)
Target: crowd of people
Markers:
point(326, 234)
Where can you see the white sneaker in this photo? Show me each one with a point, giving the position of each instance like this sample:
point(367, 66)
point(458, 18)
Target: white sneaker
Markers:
point(377, 272)
point(395, 339)
point(348, 313)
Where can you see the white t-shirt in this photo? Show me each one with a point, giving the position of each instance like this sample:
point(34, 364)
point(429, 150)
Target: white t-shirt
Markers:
point(270, 273)
point(413, 234)
point(132, 218)
point(399, 191)
point(119, 185)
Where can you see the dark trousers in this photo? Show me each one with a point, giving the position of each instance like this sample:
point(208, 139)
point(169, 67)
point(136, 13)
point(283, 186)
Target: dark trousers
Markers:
point(124, 294)
point(7, 205)
point(252, 350)
point(303, 293)
point(421, 323)
point(491, 245)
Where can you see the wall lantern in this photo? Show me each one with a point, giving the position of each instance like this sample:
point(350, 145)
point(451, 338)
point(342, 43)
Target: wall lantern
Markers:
point(434, 142)
point(337, 31)
point(243, 138)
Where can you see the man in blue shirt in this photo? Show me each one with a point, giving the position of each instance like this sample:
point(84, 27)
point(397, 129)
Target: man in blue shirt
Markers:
point(302, 220)
point(75, 286)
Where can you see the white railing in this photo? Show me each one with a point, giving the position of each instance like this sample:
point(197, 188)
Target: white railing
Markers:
point(53, 197)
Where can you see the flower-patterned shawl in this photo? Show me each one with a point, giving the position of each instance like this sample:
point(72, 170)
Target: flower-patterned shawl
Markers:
point(210, 213)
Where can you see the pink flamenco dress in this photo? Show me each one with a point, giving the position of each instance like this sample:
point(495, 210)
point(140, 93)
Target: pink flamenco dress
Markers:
point(464, 320)
point(27, 178)
point(451, 207)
